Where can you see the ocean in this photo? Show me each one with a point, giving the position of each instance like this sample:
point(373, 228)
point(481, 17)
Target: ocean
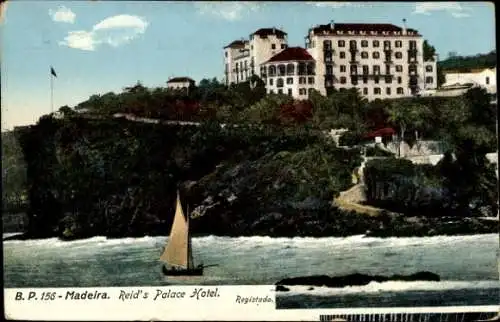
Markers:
point(467, 266)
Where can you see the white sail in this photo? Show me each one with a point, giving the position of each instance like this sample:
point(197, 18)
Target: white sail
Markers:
point(178, 249)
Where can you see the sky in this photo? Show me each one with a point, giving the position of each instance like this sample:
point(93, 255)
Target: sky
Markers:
point(100, 46)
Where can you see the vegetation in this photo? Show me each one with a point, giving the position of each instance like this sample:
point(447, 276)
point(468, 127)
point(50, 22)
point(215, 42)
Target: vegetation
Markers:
point(269, 170)
point(465, 64)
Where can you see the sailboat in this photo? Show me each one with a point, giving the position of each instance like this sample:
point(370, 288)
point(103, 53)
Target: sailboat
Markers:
point(178, 251)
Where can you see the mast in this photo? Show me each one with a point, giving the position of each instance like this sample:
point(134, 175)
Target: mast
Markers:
point(190, 247)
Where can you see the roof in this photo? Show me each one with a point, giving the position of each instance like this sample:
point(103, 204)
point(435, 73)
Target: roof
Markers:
point(180, 80)
point(357, 27)
point(387, 131)
point(468, 71)
point(237, 44)
point(291, 54)
point(264, 32)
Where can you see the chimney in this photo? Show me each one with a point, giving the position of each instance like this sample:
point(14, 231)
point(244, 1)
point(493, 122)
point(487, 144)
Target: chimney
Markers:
point(274, 30)
point(404, 26)
point(332, 24)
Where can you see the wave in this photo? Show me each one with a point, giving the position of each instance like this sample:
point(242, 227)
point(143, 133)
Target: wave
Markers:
point(256, 241)
point(390, 286)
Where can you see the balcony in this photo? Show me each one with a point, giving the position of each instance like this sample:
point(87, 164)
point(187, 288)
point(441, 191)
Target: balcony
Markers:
point(388, 61)
point(354, 61)
point(412, 50)
point(328, 50)
point(387, 48)
point(353, 49)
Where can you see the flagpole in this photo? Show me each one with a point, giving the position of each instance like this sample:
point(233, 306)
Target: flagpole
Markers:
point(51, 93)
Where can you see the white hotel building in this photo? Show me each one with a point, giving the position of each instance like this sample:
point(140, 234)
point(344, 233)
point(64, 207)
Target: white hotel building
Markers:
point(381, 60)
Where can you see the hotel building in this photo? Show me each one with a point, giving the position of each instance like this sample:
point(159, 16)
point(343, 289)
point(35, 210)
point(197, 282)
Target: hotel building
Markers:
point(243, 58)
point(381, 60)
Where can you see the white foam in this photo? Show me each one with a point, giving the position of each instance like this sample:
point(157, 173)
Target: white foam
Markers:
point(390, 286)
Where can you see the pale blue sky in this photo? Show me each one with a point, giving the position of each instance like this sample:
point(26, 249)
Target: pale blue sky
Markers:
point(101, 46)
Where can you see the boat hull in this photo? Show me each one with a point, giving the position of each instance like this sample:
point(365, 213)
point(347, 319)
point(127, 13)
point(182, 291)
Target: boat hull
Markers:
point(198, 271)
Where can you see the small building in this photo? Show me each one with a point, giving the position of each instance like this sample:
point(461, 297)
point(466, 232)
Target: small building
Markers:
point(292, 72)
point(180, 83)
point(486, 78)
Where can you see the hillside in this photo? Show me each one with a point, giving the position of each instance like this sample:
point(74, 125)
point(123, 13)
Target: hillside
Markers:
point(468, 63)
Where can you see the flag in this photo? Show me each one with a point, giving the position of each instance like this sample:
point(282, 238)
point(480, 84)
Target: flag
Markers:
point(53, 72)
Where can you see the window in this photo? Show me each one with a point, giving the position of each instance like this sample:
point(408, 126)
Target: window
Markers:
point(271, 91)
point(430, 80)
point(290, 91)
point(251, 47)
point(376, 80)
point(387, 44)
point(399, 44)
point(376, 43)
point(400, 80)
point(387, 69)
point(364, 43)
point(376, 55)
point(365, 91)
point(388, 79)
point(377, 91)
point(279, 82)
point(376, 69)
point(272, 70)
point(342, 54)
point(399, 68)
point(352, 44)
point(225, 54)
point(398, 55)
point(400, 90)
point(310, 90)
point(271, 81)
point(281, 70)
point(354, 81)
point(487, 80)
point(388, 91)
point(365, 80)
point(302, 91)
point(327, 44)
point(341, 43)
point(365, 69)
point(280, 91)
point(283, 46)
point(328, 56)
point(413, 44)
point(354, 70)
point(290, 69)
point(428, 68)
point(364, 54)
point(310, 80)
point(289, 80)
point(342, 68)
point(329, 69)
point(273, 46)
point(343, 80)
point(302, 80)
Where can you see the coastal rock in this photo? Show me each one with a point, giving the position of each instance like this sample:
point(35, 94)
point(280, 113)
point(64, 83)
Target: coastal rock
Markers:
point(355, 279)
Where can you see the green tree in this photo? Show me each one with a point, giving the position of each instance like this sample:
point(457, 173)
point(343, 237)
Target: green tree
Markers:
point(429, 51)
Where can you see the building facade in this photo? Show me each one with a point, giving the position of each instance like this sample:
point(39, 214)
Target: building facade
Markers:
point(291, 72)
point(486, 78)
point(180, 83)
point(243, 58)
point(381, 60)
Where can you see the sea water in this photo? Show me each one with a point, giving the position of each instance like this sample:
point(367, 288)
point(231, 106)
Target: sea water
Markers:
point(467, 266)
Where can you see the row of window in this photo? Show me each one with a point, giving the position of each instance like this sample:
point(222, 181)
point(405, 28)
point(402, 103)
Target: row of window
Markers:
point(376, 80)
point(273, 46)
point(302, 91)
point(365, 55)
point(289, 81)
point(327, 44)
point(388, 91)
point(288, 69)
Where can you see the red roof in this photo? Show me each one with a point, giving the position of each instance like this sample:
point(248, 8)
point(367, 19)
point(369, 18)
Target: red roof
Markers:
point(264, 32)
point(357, 27)
point(387, 131)
point(291, 53)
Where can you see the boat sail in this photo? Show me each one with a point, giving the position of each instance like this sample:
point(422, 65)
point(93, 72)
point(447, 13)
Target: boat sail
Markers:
point(178, 252)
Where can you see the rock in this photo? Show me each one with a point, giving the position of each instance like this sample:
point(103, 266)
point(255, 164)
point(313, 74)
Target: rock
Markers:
point(281, 288)
point(355, 279)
